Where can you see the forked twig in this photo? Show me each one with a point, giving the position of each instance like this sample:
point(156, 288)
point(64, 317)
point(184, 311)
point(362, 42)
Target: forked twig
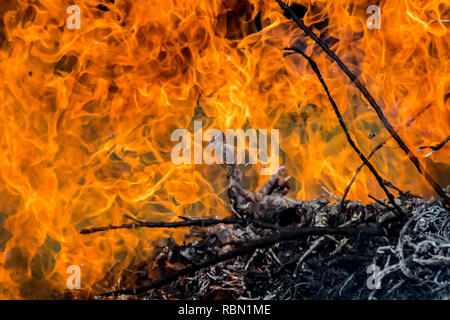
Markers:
point(436, 147)
point(291, 15)
point(372, 169)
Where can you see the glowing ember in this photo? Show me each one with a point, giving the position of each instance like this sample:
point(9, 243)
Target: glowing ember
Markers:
point(87, 116)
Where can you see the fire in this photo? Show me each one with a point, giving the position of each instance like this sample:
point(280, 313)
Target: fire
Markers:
point(87, 115)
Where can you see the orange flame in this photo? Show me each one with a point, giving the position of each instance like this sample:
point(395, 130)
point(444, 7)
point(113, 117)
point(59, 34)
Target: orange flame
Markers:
point(87, 115)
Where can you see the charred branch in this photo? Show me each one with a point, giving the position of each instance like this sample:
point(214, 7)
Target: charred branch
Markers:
point(178, 224)
point(372, 153)
point(269, 205)
point(347, 134)
point(436, 147)
point(247, 249)
point(290, 14)
point(347, 189)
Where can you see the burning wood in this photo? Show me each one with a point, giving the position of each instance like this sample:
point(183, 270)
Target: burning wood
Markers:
point(246, 233)
point(109, 108)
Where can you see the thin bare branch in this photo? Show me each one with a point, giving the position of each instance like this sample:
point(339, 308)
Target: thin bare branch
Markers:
point(291, 15)
point(372, 169)
point(247, 249)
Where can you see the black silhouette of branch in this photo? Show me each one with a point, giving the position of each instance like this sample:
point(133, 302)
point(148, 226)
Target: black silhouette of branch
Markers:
point(186, 223)
point(291, 15)
point(248, 248)
point(347, 134)
point(436, 147)
point(375, 150)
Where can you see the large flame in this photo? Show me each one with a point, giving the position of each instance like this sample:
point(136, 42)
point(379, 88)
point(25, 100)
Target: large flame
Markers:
point(87, 115)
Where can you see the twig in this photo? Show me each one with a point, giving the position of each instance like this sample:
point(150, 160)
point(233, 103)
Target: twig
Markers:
point(313, 247)
point(178, 224)
point(342, 204)
point(406, 271)
point(331, 194)
point(250, 247)
point(345, 283)
point(379, 202)
point(372, 153)
point(317, 242)
point(440, 20)
point(347, 134)
point(369, 98)
point(436, 147)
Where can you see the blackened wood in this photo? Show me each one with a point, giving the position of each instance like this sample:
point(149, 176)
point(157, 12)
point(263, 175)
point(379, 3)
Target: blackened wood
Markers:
point(370, 99)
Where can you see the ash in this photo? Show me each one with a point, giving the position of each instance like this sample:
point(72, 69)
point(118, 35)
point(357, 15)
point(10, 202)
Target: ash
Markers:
point(411, 261)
